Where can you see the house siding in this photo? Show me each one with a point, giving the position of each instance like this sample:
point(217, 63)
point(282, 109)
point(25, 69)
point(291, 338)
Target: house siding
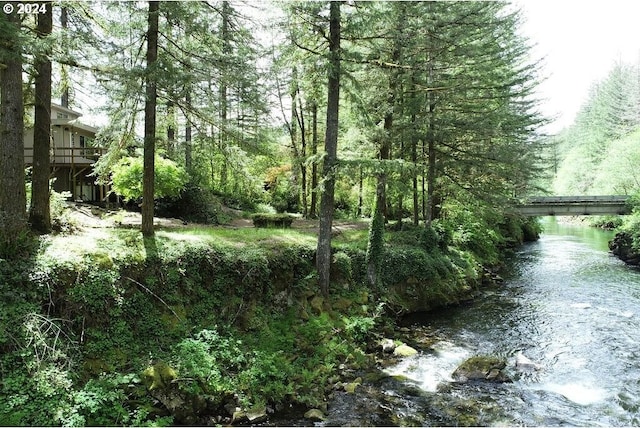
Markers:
point(72, 155)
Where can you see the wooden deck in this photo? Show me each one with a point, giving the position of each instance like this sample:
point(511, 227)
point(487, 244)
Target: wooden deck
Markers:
point(68, 156)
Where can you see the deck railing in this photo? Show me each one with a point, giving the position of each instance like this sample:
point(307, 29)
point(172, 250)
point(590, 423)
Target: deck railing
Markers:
point(68, 155)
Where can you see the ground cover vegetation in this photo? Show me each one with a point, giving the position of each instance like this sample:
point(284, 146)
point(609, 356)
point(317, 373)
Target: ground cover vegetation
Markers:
point(118, 329)
point(418, 117)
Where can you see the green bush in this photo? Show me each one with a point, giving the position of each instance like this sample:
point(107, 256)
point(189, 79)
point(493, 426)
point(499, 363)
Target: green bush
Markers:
point(272, 220)
point(127, 177)
point(208, 359)
point(193, 204)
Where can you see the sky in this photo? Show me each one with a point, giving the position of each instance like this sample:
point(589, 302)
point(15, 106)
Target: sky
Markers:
point(579, 41)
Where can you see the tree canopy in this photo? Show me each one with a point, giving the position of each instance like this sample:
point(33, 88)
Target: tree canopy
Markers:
point(436, 101)
point(597, 153)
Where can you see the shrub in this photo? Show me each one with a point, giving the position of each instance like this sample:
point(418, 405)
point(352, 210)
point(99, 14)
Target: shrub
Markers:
point(127, 176)
point(193, 204)
point(272, 220)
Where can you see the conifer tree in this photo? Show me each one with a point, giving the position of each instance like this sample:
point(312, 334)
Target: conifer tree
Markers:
point(327, 201)
point(13, 214)
point(39, 212)
point(150, 120)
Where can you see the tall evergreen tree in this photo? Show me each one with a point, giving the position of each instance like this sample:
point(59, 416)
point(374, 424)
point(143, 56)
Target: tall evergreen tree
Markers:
point(13, 213)
point(327, 201)
point(375, 245)
point(150, 120)
point(39, 212)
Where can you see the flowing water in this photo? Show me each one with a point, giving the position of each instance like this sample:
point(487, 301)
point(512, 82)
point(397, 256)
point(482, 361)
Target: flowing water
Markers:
point(566, 304)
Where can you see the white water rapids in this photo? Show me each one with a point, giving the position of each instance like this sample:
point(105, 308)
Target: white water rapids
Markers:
point(571, 308)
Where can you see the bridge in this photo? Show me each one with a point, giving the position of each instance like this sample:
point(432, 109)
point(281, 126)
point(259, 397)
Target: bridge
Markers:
point(575, 205)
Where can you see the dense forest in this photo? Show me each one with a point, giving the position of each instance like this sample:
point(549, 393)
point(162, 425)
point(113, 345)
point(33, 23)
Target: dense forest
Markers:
point(417, 118)
point(598, 153)
point(436, 101)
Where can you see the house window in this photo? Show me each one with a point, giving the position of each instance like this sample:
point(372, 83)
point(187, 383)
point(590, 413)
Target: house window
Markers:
point(63, 116)
point(83, 144)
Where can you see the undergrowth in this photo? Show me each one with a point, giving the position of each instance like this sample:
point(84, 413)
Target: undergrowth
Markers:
point(119, 330)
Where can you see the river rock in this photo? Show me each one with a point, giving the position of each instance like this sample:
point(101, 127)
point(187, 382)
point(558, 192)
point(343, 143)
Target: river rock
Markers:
point(481, 367)
point(257, 414)
point(239, 416)
point(350, 387)
point(404, 351)
point(388, 345)
point(314, 415)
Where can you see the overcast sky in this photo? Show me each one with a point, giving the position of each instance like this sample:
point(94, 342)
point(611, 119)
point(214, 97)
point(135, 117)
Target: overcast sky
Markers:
point(580, 41)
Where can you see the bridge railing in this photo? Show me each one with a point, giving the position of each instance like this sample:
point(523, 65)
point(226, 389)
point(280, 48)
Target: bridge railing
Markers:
point(543, 200)
point(575, 205)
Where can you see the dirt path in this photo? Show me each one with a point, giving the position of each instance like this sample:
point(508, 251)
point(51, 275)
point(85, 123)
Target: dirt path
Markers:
point(308, 225)
point(87, 216)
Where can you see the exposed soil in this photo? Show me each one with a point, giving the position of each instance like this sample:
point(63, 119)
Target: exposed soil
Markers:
point(91, 216)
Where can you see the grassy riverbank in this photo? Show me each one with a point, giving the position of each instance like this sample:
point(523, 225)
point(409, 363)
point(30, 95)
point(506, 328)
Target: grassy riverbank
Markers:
point(107, 328)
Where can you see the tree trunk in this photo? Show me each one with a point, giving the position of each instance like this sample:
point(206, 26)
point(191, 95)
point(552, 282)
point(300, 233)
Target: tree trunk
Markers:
point(150, 121)
point(40, 213)
point(13, 221)
point(224, 93)
point(414, 180)
point(431, 179)
point(327, 201)
point(314, 165)
point(293, 127)
point(303, 155)
point(64, 23)
point(171, 130)
point(424, 185)
point(360, 190)
point(431, 173)
point(375, 246)
point(376, 231)
point(188, 162)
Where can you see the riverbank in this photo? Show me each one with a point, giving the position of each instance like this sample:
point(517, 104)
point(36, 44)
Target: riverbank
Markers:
point(205, 325)
point(568, 306)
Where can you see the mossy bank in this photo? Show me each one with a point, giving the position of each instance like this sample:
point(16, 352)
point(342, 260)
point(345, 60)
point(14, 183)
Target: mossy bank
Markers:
point(198, 327)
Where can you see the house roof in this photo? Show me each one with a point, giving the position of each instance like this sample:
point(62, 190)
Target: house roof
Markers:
point(75, 124)
point(62, 109)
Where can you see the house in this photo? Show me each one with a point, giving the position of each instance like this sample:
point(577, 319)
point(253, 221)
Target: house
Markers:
point(72, 155)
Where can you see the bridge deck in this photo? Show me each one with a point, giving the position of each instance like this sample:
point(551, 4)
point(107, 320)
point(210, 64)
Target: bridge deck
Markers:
point(575, 205)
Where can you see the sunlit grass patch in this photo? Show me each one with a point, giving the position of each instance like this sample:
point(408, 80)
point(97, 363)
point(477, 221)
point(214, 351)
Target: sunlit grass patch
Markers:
point(249, 236)
point(352, 238)
point(72, 247)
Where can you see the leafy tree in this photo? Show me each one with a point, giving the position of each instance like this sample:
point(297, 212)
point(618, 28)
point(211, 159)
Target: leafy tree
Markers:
point(194, 80)
point(618, 172)
point(128, 174)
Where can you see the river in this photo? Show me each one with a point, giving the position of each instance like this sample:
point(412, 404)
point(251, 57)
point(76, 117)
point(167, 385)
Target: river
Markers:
point(566, 304)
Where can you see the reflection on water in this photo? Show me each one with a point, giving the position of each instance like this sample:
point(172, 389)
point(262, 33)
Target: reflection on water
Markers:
point(568, 305)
